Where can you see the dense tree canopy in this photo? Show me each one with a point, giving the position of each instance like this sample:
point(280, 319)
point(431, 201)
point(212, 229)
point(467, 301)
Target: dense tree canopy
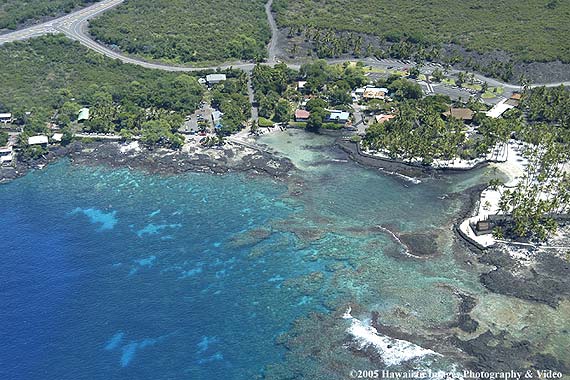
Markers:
point(548, 105)
point(544, 189)
point(187, 31)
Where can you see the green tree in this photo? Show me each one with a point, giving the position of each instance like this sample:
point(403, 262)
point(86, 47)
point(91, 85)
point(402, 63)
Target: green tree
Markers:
point(282, 111)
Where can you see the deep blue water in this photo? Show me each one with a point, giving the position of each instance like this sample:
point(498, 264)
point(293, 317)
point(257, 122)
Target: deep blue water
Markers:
point(117, 274)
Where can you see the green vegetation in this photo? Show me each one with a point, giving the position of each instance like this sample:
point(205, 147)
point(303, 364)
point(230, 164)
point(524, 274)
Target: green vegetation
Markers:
point(549, 105)
point(187, 31)
point(264, 123)
point(51, 71)
point(54, 77)
point(272, 85)
point(231, 98)
point(544, 189)
point(530, 30)
point(14, 13)
point(420, 132)
point(328, 86)
point(4, 138)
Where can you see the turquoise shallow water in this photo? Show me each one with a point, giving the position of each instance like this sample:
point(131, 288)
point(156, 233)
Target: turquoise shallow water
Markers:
point(116, 274)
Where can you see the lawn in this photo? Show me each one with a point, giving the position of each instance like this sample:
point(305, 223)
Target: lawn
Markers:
point(186, 31)
point(531, 30)
point(13, 13)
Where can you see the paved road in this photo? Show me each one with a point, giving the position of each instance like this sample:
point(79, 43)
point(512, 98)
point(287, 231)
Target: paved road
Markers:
point(74, 25)
point(272, 47)
point(53, 26)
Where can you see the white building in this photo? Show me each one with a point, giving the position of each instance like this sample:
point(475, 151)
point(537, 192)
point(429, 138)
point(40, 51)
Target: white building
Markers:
point(215, 78)
point(216, 117)
point(339, 116)
point(38, 140)
point(5, 117)
point(6, 155)
point(499, 109)
point(83, 115)
point(57, 137)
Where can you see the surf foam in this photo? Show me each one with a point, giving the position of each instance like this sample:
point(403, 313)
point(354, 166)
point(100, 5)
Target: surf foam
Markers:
point(392, 351)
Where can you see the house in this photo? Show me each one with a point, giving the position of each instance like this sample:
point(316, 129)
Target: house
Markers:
point(301, 85)
point(382, 118)
point(216, 117)
point(83, 115)
point(514, 100)
point(374, 93)
point(215, 78)
point(339, 116)
point(38, 140)
point(464, 114)
point(6, 155)
point(202, 81)
point(359, 91)
point(5, 118)
point(302, 115)
point(499, 109)
point(57, 137)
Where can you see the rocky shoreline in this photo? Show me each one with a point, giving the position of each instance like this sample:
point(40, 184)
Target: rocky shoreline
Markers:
point(159, 161)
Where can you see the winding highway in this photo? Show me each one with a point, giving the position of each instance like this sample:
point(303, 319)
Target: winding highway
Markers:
point(74, 26)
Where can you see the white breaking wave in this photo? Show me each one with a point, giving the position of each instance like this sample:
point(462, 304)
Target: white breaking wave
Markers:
point(393, 351)
point(399, 241)
point(413, 180)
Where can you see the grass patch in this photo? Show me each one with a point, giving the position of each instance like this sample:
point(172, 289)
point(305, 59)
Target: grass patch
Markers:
point(370, 69)
point(186, 31)
point(475, 87)
point(263, 122)
point(298, 124)
point(333, 126)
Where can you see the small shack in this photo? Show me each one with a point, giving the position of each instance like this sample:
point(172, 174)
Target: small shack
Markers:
point(382, 118)
point(83, 115)
point(6, 155)
point(5, 117)
point(302, 115)
point(464, 114)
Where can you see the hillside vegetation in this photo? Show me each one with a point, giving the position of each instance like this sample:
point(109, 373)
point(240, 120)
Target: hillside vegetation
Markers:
point(187, 31)
point(38, 73)
point(13, 13)
point(531, 30)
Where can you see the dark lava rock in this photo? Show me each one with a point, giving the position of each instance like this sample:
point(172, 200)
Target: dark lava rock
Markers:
point(464, 320)
point(495, 352)
point(548, 362)
point(547, 282)
point(421, 244)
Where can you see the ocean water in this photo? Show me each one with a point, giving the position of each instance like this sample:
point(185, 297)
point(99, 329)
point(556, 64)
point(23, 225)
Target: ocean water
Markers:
point(117, 274)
